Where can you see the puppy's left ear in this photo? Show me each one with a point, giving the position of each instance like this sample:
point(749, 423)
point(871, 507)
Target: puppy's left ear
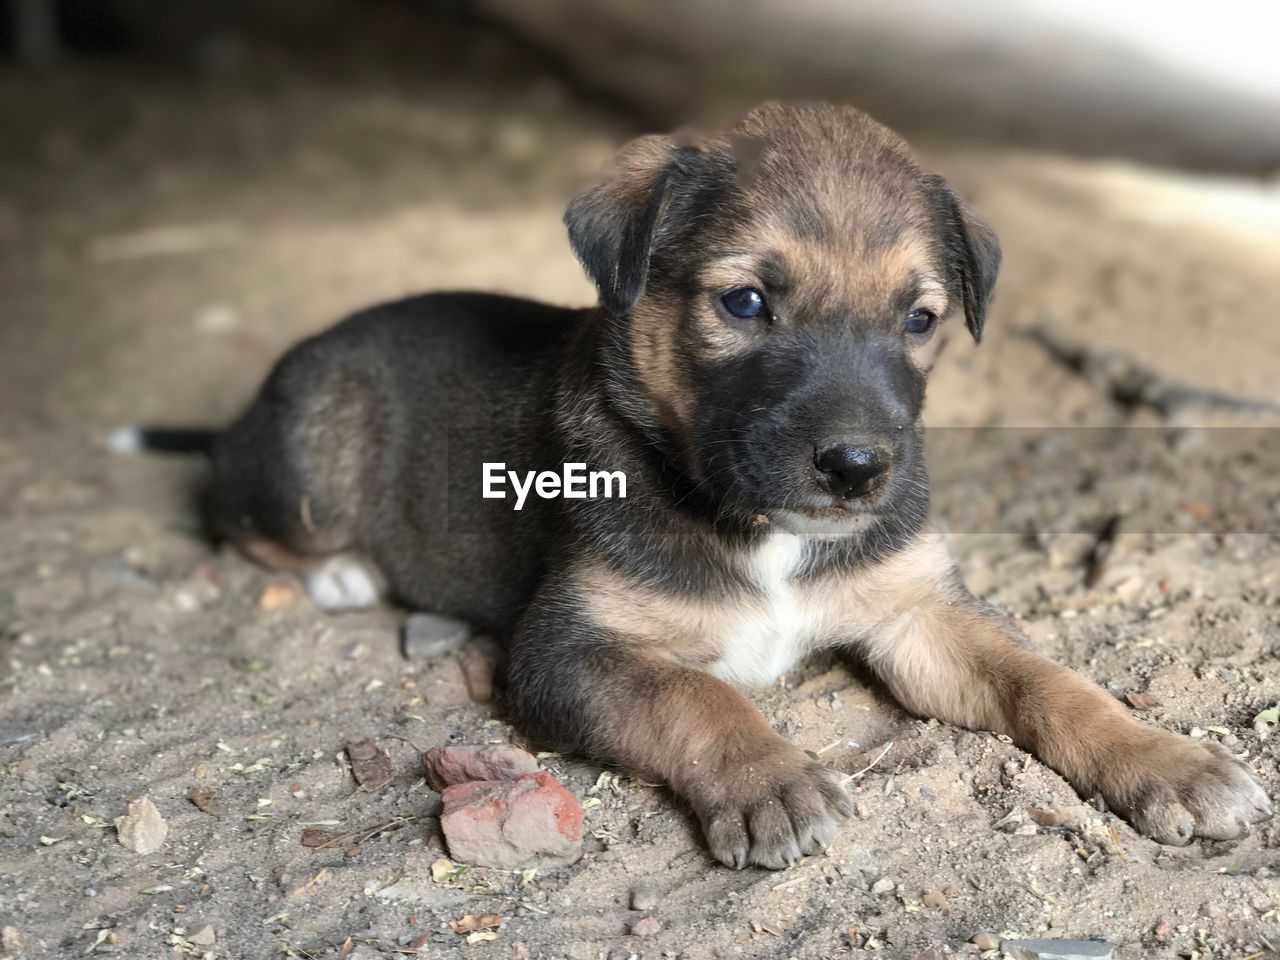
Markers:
point(643, 201)
point(612, 224)
point(974, 254)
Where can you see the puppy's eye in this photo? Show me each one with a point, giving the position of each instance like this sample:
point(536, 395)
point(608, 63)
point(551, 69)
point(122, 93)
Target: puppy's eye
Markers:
point(745, 303)
point(921, 321)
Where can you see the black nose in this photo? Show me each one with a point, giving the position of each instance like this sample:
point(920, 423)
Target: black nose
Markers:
point(850, 471)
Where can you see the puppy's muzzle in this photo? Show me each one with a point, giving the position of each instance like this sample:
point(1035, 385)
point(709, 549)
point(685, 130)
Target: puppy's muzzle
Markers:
point(848, 470)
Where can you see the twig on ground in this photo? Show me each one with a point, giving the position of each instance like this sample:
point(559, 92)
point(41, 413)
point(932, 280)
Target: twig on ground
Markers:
point(1126, 381)
point(867, 768)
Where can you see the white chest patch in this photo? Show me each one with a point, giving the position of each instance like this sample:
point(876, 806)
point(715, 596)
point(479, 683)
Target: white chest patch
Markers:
point(776, 630)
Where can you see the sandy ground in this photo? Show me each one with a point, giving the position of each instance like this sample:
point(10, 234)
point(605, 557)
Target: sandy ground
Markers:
point(135, 660)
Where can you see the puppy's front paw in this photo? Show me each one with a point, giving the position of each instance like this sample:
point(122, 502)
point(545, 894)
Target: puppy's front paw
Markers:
point(1177, 788)
point(771, 811)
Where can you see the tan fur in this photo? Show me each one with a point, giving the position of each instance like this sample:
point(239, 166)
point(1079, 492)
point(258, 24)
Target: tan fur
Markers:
point(685, 628)
point(697, 630)
point(851, 286)
point(654, 350)
point(942, 654)
point(760, 799)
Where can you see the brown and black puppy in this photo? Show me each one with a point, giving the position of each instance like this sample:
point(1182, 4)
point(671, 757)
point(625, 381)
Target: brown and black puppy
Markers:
point(756, 368)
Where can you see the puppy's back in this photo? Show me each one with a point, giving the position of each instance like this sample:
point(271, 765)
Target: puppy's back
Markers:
point(349, 446)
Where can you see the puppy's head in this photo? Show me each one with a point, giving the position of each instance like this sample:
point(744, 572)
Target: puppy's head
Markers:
point(773, 292)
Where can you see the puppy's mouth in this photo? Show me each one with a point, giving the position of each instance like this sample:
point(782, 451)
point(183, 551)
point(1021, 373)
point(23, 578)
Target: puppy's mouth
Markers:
point(830, 521)
point(836, 509)
point(823, 513)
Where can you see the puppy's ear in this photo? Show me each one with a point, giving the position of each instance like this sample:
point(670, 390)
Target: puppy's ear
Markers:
point(612, 225)
point(654, 192)
point(974, 254)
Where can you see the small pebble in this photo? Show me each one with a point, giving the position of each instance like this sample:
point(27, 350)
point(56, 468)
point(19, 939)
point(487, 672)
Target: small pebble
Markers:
point(620, 953)
point(643, 899)
point(985, 941)
point(204, 937)
point(1058, 949)
point(646, 926)
point(1130, 590)
point(277, 596)
point(477, 671)
point(934, 900)
point(427, 636)
point(884, 885)
point(862, 860)
point(13, 733)
point(142, 829)
point(1141, 701)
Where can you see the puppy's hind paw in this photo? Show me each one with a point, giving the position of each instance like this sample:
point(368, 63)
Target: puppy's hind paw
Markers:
point(344, 582)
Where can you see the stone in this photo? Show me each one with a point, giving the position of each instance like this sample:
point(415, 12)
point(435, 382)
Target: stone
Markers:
point(277, 596)
point(1141, 701)
point(643, 899)
point(1130, 590)
point(862, 860)
point(142, 829)
point(985, 941)
point(477, 671)
point(646, 926)
point(370, 764)
point(11, 940)
point(935, 900)
point(428, 636)
point(204, 937)
point(1058, 949)
point(15, 733)
point(448, 766)
point(883, 886)
point(531, 821)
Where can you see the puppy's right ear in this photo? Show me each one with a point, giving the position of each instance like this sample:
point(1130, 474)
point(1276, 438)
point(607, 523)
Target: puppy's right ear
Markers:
point(612, 225)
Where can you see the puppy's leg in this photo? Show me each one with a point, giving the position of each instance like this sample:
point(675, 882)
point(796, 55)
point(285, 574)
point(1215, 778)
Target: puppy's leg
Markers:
point(293, 476)
point(944, 654)
point(343, 581)
point(760, 799)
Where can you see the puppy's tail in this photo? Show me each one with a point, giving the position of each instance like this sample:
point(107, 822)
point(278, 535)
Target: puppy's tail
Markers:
point(182, 440)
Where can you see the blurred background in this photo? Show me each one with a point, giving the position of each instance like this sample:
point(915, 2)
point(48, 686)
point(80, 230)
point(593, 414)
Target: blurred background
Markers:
point(186, 187)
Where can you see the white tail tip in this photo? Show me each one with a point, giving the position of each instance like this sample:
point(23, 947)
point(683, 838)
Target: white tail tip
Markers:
point(125, 440)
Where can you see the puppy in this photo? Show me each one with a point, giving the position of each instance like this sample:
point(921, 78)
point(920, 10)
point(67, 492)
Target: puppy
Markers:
point(756, 369)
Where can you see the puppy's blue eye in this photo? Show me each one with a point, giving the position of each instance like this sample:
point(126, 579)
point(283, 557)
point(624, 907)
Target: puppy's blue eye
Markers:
point(745, 303)
point(921, 321)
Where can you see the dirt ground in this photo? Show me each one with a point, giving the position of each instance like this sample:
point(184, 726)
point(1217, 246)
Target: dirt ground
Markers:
point(138, 661)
